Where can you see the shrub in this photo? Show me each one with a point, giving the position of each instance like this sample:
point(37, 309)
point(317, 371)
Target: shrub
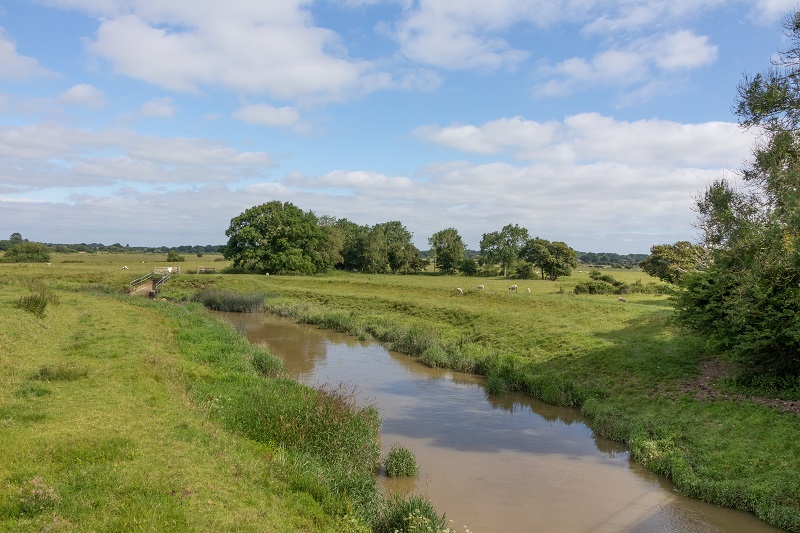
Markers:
point(594, 287)
point(27, 252)
point(400, 462)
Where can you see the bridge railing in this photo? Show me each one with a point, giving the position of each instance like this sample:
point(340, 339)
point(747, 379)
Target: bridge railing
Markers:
point(141, 279)
point(157, 285)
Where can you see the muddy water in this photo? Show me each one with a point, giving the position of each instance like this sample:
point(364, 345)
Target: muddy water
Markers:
point(494, 464)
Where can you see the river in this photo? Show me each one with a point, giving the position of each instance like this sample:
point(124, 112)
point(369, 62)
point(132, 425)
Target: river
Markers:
point(505, 464)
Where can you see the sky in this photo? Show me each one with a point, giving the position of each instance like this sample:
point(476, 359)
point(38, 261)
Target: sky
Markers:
point(592, 122)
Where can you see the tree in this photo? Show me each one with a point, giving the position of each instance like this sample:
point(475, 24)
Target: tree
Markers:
point(503, 247)
point(27, 252)
point(174, 257)
point(671, 262)
point(15, 238)
point(747, 302)
point(276, 238)
point(554, 259)
point(447, 249)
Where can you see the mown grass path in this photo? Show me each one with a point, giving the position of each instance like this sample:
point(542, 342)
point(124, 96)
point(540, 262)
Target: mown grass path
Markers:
point(98, 433)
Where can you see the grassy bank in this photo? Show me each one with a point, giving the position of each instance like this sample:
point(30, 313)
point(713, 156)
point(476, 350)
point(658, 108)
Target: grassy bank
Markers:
point(126, 414)
point(622, 363)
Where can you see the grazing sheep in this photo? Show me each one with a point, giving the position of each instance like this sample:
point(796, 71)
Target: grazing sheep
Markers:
point(529, 290)
point(621, 299)
point(481, 287)
point(125, 267)
point(459, 290)
point(48, 264)
point(513, 288)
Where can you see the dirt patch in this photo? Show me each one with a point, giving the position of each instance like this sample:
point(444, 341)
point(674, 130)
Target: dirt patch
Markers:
point(702, 387)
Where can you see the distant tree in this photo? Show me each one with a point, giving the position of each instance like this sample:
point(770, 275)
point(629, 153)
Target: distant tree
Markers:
point(27, 252)
point(353, 245)
point(671, 262)
point(468, 267)
point(503, 247)
point(174, 257)
point(15, 238)
point(554, 259)
point(399, 249)
point(447, 250)
point(276, 237)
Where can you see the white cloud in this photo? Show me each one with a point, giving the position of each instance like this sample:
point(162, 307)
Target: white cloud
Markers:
point(83, 95)
point(158, 108)
point(48, 155)
point(642, 61)
point(14, 66)
point(267, 115)
point(249, 47)
point(590, 137)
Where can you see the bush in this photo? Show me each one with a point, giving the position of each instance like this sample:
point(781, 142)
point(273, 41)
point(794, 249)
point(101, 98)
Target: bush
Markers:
point(594, 287)
point(400, 462)
point(27, 252)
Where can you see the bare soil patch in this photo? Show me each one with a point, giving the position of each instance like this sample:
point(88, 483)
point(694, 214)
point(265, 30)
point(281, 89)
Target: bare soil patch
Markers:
point(703, 388)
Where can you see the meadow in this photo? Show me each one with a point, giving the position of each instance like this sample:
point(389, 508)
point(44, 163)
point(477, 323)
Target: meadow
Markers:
point(144, 383)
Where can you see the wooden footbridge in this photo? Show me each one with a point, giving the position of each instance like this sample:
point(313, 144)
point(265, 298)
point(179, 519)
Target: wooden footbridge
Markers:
point(151, 283)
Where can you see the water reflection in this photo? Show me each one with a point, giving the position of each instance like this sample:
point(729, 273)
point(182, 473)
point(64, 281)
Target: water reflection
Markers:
point(508, 463)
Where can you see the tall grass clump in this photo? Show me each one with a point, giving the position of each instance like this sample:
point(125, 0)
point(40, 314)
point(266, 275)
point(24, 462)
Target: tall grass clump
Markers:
point(230, 301)
point(400, 462)
point(36, 302)
point(415, 514)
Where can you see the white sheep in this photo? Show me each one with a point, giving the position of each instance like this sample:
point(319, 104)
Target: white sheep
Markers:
point(529, 290)
point(459, 290)
point(48, 264)
point(481, 287)
point(513, 288)
point(125, 267)
point(621, 299)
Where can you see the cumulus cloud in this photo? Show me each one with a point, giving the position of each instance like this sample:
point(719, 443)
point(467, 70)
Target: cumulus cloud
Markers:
point(589, 137)
point(17, 67)
point(250, 47)
point(638, 62)
point(83, 95)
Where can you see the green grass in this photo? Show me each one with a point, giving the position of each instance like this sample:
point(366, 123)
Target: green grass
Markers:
point(623, 363)
point(400, 462)
point(164, 371)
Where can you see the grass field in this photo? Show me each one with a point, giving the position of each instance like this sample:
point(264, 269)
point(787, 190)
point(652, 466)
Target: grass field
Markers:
point(133, 391)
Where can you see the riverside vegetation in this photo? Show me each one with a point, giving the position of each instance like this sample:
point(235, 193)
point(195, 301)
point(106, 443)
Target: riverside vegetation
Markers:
point(165, 423)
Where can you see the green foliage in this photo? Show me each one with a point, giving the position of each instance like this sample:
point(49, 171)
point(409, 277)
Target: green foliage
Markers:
point(230, 301)
point(671, 262)
point(503, 247)
point(26, 252)
point(553, 258)
point(277, 238)
point(447, 249)
point(174, 257)
point(748, 301)
point(400, 462)
point(468, 267)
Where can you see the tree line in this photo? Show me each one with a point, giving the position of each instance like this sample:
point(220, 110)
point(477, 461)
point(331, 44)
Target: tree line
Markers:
point(279, 237)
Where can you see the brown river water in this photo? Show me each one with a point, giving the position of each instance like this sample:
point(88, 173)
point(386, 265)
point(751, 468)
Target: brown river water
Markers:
point(504, 464)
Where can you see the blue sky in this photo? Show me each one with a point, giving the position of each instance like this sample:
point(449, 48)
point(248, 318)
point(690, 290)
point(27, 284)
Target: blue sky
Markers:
point(593, 122)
